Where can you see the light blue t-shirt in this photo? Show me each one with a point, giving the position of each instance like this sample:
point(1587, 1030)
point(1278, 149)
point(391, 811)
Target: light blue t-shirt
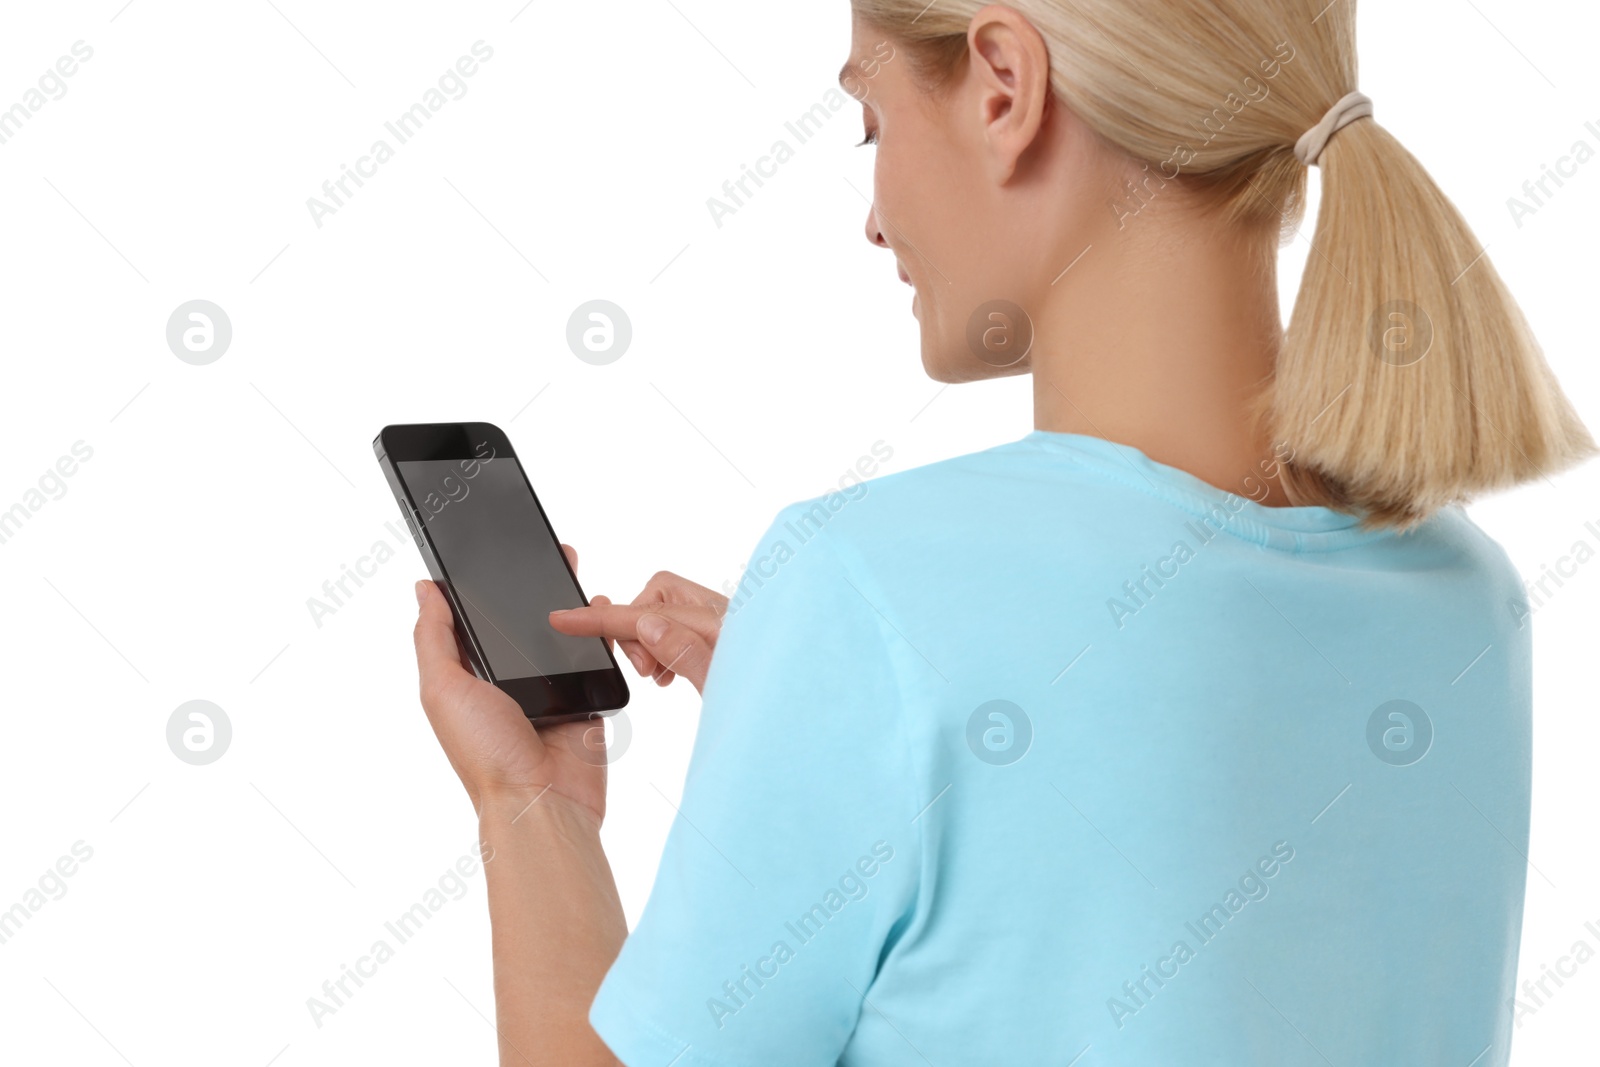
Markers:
point(1054, 754)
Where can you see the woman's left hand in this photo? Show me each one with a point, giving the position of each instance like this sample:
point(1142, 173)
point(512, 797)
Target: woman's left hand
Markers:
point(495, 750)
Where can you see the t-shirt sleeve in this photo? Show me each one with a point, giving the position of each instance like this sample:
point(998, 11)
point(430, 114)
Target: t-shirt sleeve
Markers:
point(792, 863)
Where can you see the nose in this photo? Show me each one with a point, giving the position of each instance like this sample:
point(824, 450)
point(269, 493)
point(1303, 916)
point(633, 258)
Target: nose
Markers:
point(874, 231)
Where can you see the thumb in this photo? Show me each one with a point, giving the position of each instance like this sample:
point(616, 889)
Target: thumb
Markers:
point(676, 647)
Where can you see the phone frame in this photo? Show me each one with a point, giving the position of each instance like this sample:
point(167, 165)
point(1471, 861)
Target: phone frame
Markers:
point(544, 699)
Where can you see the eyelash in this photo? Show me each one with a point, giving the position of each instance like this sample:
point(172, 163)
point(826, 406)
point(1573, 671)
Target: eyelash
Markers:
point(870, 138)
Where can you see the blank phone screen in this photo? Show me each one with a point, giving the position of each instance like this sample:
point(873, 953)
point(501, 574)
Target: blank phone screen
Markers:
point(506, 568)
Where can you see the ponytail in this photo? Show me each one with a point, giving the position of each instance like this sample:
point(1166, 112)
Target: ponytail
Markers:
point(1409, 379)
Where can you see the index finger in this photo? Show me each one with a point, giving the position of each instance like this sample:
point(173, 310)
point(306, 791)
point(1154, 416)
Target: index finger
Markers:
point(621, 621)
point(438, 657)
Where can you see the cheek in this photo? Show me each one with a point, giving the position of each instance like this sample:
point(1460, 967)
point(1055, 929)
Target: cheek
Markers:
point(909, 213)
point(888, 189)
point(924, 203)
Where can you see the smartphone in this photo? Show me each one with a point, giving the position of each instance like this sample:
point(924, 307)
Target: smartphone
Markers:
point(488, 544)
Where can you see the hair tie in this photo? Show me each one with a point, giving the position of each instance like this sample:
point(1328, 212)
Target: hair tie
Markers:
point(1353, 106)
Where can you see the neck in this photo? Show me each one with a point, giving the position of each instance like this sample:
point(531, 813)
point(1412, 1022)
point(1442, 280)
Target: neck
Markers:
point(1159, 338)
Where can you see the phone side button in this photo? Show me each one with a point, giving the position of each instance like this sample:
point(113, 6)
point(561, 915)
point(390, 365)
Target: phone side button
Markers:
point(416, 534)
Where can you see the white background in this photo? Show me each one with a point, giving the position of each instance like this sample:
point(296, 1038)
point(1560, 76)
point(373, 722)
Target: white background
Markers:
point(768, 356)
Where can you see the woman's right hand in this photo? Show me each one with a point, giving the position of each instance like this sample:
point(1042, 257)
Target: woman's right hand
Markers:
point(669, 629)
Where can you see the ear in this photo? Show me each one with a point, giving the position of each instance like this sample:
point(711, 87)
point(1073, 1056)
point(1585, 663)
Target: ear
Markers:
point(1009, 77)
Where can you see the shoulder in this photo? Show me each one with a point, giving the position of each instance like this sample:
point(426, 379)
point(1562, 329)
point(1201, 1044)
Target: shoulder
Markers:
point(931, 500)
point(845, 538)
point(1451, 540)
point(1451, 529)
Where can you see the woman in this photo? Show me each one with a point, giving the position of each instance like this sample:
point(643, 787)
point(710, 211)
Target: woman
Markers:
point(1190, 728)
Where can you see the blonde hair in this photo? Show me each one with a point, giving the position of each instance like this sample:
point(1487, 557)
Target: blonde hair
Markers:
point(1408, 378)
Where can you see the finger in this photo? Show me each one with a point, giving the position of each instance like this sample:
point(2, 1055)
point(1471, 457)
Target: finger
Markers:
point(679, 648)
point(601, 601)
point(572, 556)
point(465, 657)
point(621, 621)
point(642, 661)
point(666, 587)
point(631, 648)
point(654, 592)
point(438, 654)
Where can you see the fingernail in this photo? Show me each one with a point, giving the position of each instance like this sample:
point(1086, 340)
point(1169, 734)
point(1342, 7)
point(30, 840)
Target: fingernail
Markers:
point(422, 593)
point(652, 627)
point(635, 659)
point(560, 611)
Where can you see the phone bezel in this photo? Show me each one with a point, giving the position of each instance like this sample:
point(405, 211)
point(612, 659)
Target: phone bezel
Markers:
point(544, 699)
